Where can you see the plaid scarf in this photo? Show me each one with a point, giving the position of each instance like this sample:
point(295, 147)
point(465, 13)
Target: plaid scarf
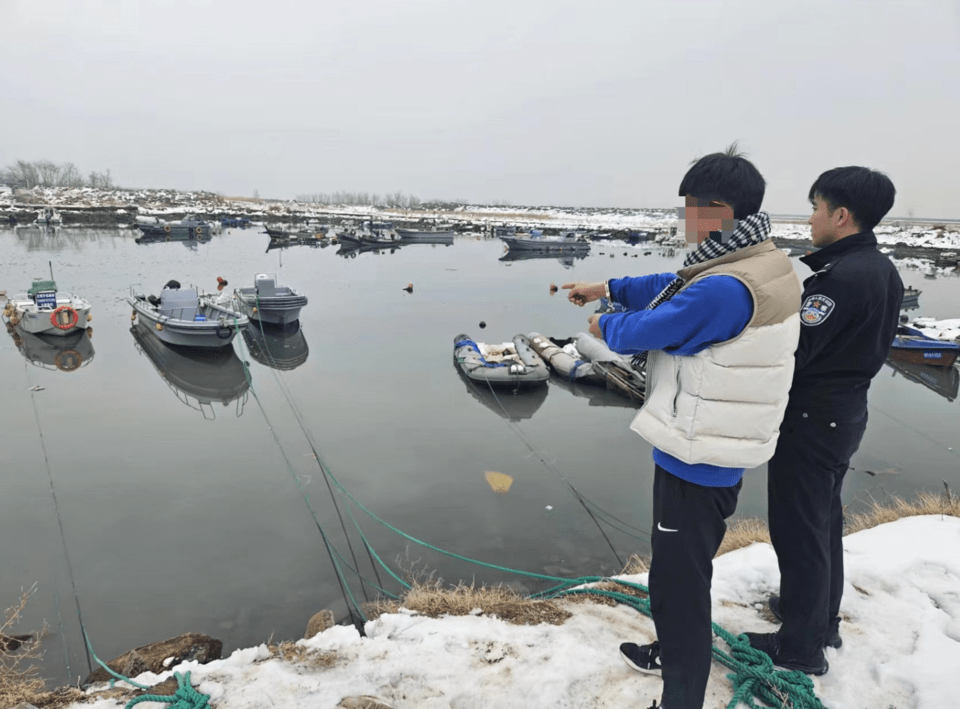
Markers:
point(749, 232)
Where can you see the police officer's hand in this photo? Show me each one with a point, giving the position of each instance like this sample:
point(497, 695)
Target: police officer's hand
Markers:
point(595, 330)
point(582, 293)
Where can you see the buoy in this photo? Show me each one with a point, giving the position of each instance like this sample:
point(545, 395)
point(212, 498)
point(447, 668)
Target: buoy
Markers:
point(254, 310)
point(409, 288)
point(159, 326)
point(89, 333)
point(89, 317)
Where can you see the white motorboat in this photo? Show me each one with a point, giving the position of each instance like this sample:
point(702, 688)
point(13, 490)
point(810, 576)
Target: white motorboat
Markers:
point(268, 302)
point(43, 310)
point(184, 317)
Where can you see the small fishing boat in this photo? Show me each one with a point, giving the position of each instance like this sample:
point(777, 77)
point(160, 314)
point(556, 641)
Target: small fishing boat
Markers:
point(546, 243)
point(188, 228)
point(49, 216)
point(268, 302)
point(911, 298)
point(911, 345)
point(182, 316)
point(43, 310)
point(425, 236)
point(511, 364)
point(319, 232)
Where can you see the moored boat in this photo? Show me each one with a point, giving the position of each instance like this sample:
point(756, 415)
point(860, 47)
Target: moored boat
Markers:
point(546, 243)
point(181, 316)
point(268, 302)
point(188, 228)
point(43, 310)
point(425, 236)
point(510, 364)
point(911, 345)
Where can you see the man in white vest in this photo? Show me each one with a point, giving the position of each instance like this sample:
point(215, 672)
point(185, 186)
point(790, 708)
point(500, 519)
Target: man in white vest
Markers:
point(717, 339)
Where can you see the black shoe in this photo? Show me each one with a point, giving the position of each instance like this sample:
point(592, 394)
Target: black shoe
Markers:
point(642, 658)
point(769, 643)
point(833, 634)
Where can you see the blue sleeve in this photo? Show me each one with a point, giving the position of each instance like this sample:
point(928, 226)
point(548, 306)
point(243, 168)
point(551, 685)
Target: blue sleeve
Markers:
point(714, 309)
point(636, 293)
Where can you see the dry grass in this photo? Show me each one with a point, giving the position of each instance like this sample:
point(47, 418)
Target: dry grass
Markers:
point(743, 533)
point(289, 651)
point(433, 601)
point(925, 503)
point(19, 673)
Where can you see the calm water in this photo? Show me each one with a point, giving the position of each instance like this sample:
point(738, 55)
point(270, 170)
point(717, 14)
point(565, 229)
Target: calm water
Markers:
point(180, 486)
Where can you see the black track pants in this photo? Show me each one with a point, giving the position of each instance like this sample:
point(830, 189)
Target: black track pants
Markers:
point(805, 477)
point(688, 526)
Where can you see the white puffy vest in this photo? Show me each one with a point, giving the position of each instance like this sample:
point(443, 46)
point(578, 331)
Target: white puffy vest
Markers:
point(724, 405)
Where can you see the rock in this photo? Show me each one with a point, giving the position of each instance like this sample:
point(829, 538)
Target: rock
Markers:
point(189, 646)
point(362, 702)
point(319, 622)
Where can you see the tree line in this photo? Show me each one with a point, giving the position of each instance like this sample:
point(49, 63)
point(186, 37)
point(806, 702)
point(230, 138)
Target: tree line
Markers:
point(395, 199)
point(46, 173)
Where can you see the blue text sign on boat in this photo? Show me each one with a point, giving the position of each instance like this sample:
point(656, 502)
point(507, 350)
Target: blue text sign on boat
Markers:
point(47, 299)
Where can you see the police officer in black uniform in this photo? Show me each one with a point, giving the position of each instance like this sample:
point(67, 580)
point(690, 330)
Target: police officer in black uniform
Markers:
point(849, 316)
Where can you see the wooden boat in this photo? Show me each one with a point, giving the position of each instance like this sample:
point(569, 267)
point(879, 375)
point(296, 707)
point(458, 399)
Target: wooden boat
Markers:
point(510, 364)
point(181, 316)
point(43, 310)
point(912, 346)
point(268, 302)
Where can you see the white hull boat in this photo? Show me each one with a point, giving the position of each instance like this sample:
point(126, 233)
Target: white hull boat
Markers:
point(182, 316)
point(45, 311)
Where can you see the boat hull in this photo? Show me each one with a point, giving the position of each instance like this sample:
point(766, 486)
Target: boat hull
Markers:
point(25, 314)
point(218, 330)
point(281, 309)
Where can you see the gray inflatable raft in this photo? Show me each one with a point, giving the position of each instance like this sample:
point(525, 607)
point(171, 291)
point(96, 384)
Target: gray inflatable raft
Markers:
point(511, 364)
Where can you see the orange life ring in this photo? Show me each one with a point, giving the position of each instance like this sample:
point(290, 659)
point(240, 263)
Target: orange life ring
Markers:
point(68, 360)
point(57, 322)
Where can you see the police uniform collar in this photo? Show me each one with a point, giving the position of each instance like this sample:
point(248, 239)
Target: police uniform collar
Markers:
point(825, 256)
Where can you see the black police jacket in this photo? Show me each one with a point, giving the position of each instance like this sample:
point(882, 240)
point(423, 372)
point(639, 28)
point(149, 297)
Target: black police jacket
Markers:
point(849, 316)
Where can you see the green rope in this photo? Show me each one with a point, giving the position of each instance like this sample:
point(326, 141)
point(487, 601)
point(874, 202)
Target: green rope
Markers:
point(753, 673)
point(186, 697)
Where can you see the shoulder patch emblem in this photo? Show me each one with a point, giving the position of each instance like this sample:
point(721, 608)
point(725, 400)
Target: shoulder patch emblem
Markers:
point(816, 309)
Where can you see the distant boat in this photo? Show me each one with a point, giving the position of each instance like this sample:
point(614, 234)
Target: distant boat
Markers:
point(187, 228)
point(911, 298)
point(426, 236)
point(546, 243)
point(49, 216)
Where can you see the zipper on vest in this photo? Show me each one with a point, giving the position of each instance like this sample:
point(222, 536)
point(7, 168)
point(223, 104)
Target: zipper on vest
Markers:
point(676, 388)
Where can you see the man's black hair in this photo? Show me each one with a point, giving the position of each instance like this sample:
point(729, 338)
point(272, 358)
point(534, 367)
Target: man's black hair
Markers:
point(867, 194)
point(728, 177)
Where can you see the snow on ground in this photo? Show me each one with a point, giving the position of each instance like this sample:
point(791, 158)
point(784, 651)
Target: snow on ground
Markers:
point(900, 629)
point(160, 203)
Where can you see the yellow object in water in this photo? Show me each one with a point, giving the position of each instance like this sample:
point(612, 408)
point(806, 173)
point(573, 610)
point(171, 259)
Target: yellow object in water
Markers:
point(498, 482)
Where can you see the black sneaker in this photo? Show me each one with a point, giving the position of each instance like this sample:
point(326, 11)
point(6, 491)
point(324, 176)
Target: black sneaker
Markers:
point(833, 634)
point(642, 658)
point(769, 643)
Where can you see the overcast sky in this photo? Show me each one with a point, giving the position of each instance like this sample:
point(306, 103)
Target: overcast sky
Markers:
point(530, 102)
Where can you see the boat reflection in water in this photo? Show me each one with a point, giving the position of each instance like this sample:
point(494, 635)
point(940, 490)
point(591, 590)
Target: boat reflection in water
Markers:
point(64, 353)
point(566, 260)
point(945, 381)
point(276, 346)
point(512, 405)
point(198, 377)
point(595, 394)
